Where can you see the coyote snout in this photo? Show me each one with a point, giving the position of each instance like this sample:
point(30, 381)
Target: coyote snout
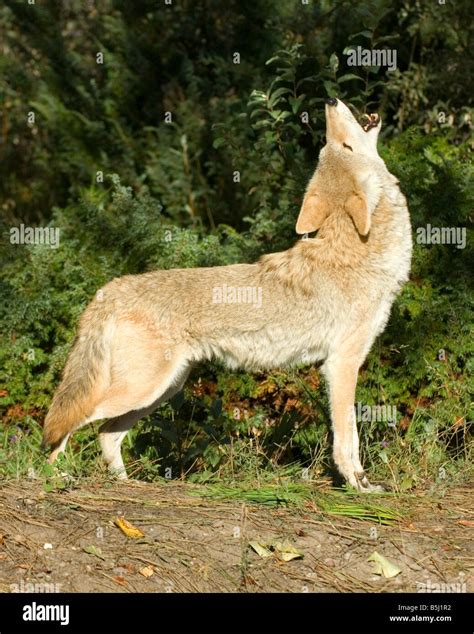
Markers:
point(324, 300)
point(344, 129)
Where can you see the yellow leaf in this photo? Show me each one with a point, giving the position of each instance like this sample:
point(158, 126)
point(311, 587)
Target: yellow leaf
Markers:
point(260, 549)
point(383, 566)
point(286, 552)
point(147, 571)
point(128, 529)
point(93, 550)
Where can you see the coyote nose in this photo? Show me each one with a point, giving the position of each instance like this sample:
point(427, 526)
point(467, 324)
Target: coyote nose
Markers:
point(332, 101)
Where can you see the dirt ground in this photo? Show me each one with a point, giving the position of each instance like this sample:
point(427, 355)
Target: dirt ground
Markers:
point(67, 541)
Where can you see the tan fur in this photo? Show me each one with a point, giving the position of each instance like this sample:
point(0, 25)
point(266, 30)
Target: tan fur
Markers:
point(325, 299)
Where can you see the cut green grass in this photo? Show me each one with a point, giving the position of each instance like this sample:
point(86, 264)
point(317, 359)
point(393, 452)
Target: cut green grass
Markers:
point(297, 494)
point(290, 494)
point(337, 504)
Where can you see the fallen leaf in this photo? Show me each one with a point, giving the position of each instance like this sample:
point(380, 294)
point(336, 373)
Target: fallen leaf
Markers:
point(120, 580)
point(147, 571)
point(93, 550)
point(260, 549)
point(406, 483)
point(128, 529)
point(286, 552)
point(382, 566)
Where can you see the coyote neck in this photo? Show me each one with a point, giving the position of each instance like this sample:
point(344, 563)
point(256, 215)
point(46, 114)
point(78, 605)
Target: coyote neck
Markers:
point(338, 247)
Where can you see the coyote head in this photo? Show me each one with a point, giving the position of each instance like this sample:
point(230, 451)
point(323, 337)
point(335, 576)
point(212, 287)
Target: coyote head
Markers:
point(345, 133)
point(349, 171)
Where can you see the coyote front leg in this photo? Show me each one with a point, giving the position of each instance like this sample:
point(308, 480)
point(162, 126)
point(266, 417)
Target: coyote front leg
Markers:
point(341, 375)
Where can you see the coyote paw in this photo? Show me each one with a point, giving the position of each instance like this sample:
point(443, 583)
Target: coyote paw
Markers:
point(363, 484)
point(118, 472)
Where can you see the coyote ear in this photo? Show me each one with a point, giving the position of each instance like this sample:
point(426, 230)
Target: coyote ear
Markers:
point(312, 214)
point(356, 207)
point(361, 204)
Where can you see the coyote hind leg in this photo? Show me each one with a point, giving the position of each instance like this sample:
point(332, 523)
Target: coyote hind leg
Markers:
point(112, 433)
point(59, 449)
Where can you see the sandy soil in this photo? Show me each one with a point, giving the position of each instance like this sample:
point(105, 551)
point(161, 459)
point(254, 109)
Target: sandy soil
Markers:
point(67, 541)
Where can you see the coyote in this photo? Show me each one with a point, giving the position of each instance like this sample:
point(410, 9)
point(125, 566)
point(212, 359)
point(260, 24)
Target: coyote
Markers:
point(324, 300)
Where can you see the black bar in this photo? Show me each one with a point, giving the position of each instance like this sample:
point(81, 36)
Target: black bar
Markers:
point(240, 613)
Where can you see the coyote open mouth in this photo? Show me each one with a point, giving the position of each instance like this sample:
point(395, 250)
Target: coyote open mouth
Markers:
point(369, 121)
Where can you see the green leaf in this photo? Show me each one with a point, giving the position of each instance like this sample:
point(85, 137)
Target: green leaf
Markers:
point(406, 483)
point(218, 142)
point(331, 87)
point(349, 77)
point(334, 62)
point(366, 33)
point(277, 58)
point(275, 96)
point(93, 550)
point(270, 137)
point(295, 103)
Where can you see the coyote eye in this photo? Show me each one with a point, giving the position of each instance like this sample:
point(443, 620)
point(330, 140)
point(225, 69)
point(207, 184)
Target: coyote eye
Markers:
point(347, 146)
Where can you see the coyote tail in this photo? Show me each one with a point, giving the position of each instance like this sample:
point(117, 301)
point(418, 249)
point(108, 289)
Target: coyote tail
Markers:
point(80, 387)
